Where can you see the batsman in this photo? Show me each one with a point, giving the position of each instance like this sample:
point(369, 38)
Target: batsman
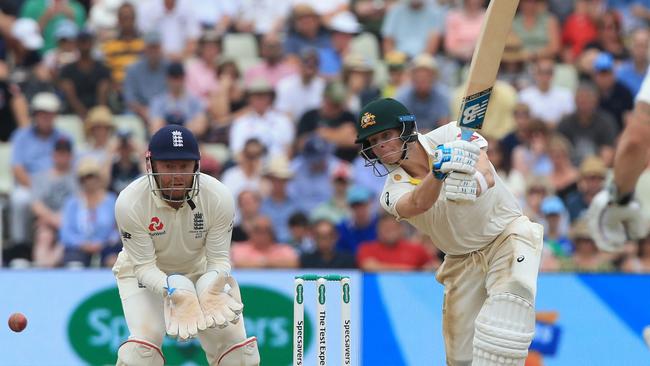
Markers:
point(448, 189)
point(173, 273)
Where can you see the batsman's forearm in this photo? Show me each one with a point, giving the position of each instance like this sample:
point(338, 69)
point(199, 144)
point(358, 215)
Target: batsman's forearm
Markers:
point(632, 154)
point(426, 194)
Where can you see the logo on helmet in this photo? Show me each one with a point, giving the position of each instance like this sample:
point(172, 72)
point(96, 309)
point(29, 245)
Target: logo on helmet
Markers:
point(177, 138)
point(367, 120)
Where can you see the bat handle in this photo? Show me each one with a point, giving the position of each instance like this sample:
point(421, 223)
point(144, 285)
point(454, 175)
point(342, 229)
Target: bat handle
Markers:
point(466, 133)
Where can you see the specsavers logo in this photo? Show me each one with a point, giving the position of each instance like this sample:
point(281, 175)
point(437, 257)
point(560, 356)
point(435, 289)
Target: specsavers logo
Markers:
point(97, 328)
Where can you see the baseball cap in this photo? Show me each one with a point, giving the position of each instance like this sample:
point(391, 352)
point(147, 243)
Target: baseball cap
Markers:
point(552, 205)
point(28, 33)
point(63, 144)
point(66, 29)
point(175, 69)
point(45, 102)
point(173, 142)
point(345, 22)
point(358, 194)
point(151, 38)
point(603, 62)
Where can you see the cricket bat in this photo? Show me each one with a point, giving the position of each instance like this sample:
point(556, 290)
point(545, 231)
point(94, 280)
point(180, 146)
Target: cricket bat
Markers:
point(485, 65)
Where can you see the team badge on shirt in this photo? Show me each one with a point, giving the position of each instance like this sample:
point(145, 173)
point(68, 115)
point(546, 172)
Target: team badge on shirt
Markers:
point(198, 225)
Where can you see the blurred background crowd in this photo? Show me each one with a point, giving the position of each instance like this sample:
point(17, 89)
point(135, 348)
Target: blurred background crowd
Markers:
point(272, 89)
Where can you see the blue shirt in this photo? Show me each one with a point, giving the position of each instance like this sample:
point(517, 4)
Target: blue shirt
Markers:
point(175, 111)
point(279, 213)
point(31, 151)
point(81, 225)
point(428, 111)
point(629, 77)
point(351, 236)
point(410, 29)
point(142, 83)
point(312, 186)
point(296, 43)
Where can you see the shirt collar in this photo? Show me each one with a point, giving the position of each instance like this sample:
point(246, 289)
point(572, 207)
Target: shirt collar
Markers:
point(399, 175)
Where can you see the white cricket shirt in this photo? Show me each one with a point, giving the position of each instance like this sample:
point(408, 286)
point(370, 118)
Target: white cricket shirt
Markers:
point(455, 228)
point(159, 240)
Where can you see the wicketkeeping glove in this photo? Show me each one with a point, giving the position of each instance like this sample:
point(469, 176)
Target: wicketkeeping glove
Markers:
point(458, 156)
point(219, 307)
point(183, 315)
point(611, 222)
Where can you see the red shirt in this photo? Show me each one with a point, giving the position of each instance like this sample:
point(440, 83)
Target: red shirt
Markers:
point(412, 255)
point(578, 31)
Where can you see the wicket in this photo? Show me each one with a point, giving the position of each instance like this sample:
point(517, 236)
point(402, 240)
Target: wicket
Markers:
point(299, 318)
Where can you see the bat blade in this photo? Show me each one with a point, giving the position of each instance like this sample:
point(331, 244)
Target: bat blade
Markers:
point(485, 65)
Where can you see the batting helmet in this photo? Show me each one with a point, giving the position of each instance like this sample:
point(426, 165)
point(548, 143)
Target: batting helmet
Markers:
point(172, 142)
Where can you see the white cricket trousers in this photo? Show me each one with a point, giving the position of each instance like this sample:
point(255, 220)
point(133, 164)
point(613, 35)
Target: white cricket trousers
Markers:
point(509, 264)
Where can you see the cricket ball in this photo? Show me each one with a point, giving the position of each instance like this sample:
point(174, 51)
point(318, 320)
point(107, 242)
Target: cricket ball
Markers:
point(17, 322)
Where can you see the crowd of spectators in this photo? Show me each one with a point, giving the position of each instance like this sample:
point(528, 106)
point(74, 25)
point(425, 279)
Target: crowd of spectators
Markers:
point(272, 89)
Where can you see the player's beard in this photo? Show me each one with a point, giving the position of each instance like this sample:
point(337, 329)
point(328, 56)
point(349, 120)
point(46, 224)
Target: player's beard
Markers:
point(173, 192)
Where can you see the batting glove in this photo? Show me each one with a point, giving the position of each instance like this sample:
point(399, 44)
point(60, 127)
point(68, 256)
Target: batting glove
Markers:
point(458, 156)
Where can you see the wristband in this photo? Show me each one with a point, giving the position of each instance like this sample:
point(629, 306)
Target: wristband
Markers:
point(480, 178)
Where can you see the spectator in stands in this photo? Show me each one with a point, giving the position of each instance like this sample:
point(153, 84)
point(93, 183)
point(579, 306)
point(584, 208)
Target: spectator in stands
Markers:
point(362, 224)
point(556, 227)
point(564, 176)
point(227, 103)
point(425, 97)
point(301, 238)
point(327, 9)
point(590, 130)
point(201, 78)
point(537, 188)
point(66, 51)
point(532, 158)
point(85, 83)
point(301, 92)
point(31, 153)
point(336, 209)
point(214, 14)
point(358, 71)
point(14, 112)
point(462, 29)
point(273, 66)
point(176, 23)
point(610, 36)
point(392, 251)
point(513, 68)
point(314, 165)
point(122, 50)
point(262, 17)
point(177, 106)
point(26, 60)
point(262, 250)
point(99, 143)
point(592, 178)
point(521, 134)
point(88, 226)
point(50, 190)
point(326, 256)
point(396, 63)
point(538, 29)
point(343, 27)
point(332, 122)
point(631, 72)
point(248, 209)
point(278, 205)
point(579, 29)
point(586, 257)
point(413, 27)
point(262, 121)
point(614, 96)
point(547, 102)
point(49, 14)
point(146, 78)
point(639, 263)
point(247, 174)
point(126, 166)
point(306, 32)
point(371, 14)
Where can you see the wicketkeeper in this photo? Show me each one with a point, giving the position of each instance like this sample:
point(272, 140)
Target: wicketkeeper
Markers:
point(448, 189)
point(173, 274)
